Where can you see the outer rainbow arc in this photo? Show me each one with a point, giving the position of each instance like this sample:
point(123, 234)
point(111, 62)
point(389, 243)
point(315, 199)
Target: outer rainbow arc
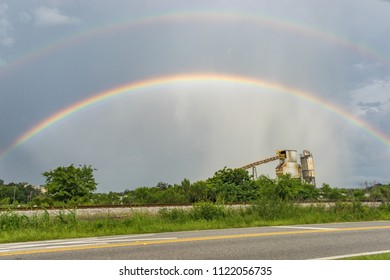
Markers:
point(193, 16)
point(190, 79)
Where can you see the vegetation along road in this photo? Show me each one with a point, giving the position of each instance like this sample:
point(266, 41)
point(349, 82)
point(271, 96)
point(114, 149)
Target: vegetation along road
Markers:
point(278, 242)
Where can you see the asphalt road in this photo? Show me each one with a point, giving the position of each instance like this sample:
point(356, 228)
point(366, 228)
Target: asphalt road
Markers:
point(270, 243)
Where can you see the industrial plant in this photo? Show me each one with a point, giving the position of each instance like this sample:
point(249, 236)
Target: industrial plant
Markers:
point(288, 164)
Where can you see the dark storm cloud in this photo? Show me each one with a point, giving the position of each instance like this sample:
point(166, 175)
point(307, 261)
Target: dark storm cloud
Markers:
point(368, 105)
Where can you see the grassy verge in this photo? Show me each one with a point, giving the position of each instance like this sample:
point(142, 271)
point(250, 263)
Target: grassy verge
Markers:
point(15, 227)
point(376, 257)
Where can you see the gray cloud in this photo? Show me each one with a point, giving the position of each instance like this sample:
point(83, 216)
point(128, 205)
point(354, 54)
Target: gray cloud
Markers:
point(368, 105)
point(45, 16)
point(373, 96)
point(5, 38)
point(25, 17)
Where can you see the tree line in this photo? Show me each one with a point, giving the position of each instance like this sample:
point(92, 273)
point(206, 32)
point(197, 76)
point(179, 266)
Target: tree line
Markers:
point(76, 186)
point(17, 193)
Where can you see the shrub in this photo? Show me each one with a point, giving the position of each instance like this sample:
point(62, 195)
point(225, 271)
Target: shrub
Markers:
point(12, 221)
point(208, 211)
point(273, 209)
point(174, 215)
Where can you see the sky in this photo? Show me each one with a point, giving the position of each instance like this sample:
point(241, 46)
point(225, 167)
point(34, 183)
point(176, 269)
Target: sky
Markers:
point(158, 91)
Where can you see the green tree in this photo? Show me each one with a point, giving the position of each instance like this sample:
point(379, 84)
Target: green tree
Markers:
point(186, 185)
point(229, 185)
point(288, 188)
point(145, 195)
point(70, 184)
point(198, 191)
point(358, 194)
point(308, 192)
point(162, 185)
point(266, 187)
point(329, 193)
point(235, 176)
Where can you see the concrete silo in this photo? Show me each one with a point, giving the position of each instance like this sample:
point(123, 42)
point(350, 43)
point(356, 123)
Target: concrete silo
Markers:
point(288, 164)
point(307, 168)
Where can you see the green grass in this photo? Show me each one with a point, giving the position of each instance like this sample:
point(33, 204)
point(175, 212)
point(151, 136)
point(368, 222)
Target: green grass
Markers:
point(377, 257)
point(15, 227)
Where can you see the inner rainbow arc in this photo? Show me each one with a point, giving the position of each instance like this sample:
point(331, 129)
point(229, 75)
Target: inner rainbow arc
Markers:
point(190, 79)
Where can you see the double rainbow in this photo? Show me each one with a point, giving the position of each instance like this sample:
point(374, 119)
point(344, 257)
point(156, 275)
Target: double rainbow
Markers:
point(191, 80)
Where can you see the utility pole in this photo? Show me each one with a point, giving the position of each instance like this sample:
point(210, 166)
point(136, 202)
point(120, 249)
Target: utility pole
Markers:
point(14, 194)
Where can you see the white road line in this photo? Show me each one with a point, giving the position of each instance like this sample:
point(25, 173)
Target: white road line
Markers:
point(353, 255)
point(123, 237)
point(314, 228)
point(111, 242)
point(17, 247)
point(75, 243)
point(70, 246)
point(86, 243)
point(22, 246)
point(64, 244)
point(147, 239)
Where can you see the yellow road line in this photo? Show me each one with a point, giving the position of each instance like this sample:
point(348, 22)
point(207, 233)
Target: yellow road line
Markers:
point(187, 239)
